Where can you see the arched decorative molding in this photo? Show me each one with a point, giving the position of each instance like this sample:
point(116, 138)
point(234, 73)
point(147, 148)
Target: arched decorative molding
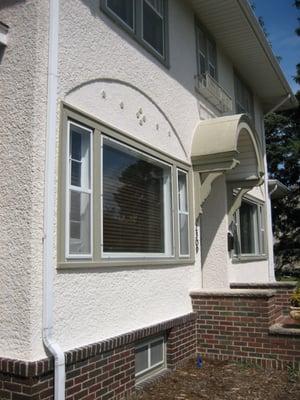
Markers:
point(128, 108)
point(227, 145)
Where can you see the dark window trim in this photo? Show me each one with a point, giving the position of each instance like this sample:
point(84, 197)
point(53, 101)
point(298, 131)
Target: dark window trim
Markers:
point(137, 33)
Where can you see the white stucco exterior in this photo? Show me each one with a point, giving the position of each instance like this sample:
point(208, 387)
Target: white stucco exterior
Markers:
point(100, 68)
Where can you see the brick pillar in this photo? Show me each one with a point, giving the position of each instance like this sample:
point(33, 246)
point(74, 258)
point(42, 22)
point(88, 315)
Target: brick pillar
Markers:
point(235, 325)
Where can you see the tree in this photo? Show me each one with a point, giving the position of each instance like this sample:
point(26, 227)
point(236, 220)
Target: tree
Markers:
point(283, 152)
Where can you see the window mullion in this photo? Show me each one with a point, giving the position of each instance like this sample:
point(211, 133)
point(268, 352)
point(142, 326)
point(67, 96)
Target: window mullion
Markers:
point(97, 219)
point(138, 18)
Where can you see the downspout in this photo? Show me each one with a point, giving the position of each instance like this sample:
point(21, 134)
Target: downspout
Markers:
point(49, 207)
point(271, 266)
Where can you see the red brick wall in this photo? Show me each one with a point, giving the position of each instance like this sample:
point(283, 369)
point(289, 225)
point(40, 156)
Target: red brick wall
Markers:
point(282, 296)
point(236, 326)
point(181, 343)
point(104, 370)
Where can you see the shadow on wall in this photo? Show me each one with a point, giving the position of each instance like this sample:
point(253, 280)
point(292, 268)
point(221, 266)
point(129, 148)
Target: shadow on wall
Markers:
point(214, 212)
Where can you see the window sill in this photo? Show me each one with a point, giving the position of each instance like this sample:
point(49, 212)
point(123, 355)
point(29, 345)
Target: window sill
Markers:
point(248, 258)
point(82, 264)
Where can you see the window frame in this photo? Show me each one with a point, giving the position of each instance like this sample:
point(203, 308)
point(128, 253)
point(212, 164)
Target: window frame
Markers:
point(70, 187)
point(181, 212)
point(96, 259)
point(152, 370)
point(260, 234)
point(111, 255)
point(208, 38)
point(137, 32)
point(239, 81)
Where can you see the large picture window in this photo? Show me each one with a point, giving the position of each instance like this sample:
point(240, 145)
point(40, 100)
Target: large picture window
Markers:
point(137, 202)
point(121, 200)
point(146, 20)
point(249, 235)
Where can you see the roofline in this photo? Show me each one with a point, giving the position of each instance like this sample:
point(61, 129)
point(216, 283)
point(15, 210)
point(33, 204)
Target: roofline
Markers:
point(259, 33)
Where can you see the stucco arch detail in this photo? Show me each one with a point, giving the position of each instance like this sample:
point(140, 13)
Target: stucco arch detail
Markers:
point(126, 108)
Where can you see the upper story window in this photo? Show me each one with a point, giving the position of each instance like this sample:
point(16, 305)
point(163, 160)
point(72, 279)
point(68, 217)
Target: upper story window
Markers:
point(120, 199)
point(206, 53)
point(243, 98)
point(146, 20)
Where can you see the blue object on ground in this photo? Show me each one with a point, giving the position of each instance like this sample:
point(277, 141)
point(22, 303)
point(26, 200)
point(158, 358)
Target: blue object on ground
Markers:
point(199, 361)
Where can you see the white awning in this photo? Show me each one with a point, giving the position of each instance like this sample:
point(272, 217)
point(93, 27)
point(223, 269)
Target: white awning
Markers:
point(228, 144)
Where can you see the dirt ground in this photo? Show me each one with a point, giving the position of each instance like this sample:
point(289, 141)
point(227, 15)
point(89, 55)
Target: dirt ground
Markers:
point(223, 380)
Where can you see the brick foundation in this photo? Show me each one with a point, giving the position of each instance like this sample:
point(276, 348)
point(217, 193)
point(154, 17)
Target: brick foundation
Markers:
point(104, 370)
point(236, 325)
point(283, 291)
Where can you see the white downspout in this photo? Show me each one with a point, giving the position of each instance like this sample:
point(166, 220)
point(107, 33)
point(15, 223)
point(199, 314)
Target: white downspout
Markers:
point(49, 207)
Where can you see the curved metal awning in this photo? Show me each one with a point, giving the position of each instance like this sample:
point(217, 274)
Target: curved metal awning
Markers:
point(227, 145)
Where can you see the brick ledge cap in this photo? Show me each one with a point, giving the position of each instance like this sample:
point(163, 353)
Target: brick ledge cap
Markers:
point(263, 285)
point(234, 293)
point(279, 329)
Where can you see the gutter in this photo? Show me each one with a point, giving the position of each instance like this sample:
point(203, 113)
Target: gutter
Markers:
point(257, 30)
point(275, 108)
point(49, 207)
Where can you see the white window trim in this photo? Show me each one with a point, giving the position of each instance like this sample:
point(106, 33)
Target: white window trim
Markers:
point(146, 372)
point(259, 228)
point(181, 212)
point(70, 187)
point(124, 255)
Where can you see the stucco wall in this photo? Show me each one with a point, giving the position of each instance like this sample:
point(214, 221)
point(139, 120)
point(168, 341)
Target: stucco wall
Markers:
point(214, 227)
point(95, 55)
point(23, 88)
point(255, 271)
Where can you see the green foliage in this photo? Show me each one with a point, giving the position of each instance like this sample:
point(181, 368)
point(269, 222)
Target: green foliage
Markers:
point(283, 152)
point(295, 297)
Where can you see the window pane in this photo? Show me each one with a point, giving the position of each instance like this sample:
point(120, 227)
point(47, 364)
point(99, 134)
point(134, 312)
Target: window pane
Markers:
point(80, 157)
point(157, 5)
point(212, 59)
point(141, 359)
point(182, 191)
point(184, 234)
point(153, 28)
point(247, 227)
point(124, 9)
point(80, 214)
point(156, 351)
point(136, 202)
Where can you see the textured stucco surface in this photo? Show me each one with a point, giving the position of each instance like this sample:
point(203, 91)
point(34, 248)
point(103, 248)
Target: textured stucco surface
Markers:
point(95, 55)
point(253, 271)
point(23, 88)
point(214, 238)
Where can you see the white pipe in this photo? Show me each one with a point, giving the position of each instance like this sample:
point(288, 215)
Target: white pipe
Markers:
point(49, 207)
point(271, 274)
point(279, 104)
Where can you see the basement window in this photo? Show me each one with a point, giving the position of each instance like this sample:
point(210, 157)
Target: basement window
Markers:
point(150, 357)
